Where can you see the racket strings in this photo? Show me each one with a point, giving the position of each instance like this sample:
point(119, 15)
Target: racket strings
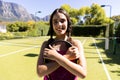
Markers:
point(60, 45)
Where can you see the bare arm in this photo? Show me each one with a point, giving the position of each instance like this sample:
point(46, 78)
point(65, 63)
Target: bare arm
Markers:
point(45, 68)
point(77, 69)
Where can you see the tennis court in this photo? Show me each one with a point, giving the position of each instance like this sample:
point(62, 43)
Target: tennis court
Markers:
point(18, 58)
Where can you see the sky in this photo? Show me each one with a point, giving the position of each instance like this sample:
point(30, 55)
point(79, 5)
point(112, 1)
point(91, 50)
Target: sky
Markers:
point(48, 6)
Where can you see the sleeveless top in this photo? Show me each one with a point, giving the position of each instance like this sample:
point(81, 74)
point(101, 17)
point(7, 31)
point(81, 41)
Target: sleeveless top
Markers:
point(61, 73)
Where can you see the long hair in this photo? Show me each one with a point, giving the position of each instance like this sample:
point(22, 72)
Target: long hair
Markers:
point(69, 28)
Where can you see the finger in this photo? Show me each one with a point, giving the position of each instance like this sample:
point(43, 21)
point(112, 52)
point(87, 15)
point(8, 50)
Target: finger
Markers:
point(75, 49)
point(45, 53)
point(78, 55)
point(45, 57)
point(72, 47)
point(51, 47)
point(46, 49)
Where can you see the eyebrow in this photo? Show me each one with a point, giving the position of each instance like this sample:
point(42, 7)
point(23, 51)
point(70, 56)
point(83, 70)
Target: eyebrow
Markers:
point(55, 19)
point(58, 19)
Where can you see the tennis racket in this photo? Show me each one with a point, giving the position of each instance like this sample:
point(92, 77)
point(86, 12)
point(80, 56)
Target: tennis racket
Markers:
point(61, 45)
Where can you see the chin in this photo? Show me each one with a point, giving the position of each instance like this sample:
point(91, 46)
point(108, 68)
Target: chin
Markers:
point(61, 34)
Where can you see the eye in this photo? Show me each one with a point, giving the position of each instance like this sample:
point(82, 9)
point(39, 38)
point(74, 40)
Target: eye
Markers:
point(55, 22)
point(62, 20)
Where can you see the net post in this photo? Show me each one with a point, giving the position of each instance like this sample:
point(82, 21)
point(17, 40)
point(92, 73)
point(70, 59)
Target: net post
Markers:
point(114, 45)
point(107, 37)
point(106, 43)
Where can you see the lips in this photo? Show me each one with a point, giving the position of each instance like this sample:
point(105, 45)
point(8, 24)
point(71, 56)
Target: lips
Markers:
point(60, 29)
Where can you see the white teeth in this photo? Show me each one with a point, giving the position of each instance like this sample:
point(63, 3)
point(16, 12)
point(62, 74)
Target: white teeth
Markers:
point(61, 29)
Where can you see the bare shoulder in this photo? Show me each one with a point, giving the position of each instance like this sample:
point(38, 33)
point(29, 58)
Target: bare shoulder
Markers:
point(76, 42)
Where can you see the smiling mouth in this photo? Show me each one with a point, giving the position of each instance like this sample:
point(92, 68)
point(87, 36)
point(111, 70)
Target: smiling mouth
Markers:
point(61, 28)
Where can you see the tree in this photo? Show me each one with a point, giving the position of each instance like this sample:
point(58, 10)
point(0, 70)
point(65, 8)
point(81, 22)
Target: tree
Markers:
point(66, 7)
point(12, 28)
point(73, 13)
point(116, 18)
point(74, 20)
point(93, 15)
point(97, 15)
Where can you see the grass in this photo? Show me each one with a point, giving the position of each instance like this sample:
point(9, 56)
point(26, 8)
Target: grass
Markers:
point(22, 64)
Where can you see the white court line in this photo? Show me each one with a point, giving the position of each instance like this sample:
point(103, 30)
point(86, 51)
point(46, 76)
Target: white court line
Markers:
point(105, 69)
point(25, 49)
point(17, 51)
point(15, 44)
point(84, 41)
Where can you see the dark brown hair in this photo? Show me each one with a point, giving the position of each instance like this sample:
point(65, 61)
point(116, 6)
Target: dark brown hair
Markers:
point(69, 28)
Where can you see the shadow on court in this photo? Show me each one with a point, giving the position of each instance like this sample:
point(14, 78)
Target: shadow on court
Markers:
point(31, 55)
point(113, 59)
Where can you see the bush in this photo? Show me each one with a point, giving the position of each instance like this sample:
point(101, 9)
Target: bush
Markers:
point(7, 35)
point(29, 28)
point(91, 30)
point(19, 34)
point(118, 33)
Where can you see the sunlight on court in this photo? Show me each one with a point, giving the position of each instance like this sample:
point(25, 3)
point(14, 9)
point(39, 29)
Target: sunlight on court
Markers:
point(18, 58)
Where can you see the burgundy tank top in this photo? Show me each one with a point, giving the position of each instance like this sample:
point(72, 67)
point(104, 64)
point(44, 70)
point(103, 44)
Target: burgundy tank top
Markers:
point(61, 73)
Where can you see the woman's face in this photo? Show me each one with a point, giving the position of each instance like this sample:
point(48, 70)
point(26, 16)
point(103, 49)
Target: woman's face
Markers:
point(60, 23)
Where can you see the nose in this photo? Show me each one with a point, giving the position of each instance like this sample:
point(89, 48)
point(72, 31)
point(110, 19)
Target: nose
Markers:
point(59, 23)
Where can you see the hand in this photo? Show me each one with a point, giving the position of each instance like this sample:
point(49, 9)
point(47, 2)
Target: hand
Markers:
point(72, 53)
point(50, 53)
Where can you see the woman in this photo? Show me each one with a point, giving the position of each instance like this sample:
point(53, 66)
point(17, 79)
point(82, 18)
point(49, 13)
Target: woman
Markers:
point(61, 65)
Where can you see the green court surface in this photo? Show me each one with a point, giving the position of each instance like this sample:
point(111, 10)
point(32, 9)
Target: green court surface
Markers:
point(18, 58)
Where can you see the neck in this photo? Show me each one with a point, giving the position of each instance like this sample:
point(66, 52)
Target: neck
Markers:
point(65, 37)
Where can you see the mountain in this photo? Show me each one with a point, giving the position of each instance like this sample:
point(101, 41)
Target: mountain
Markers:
point(11, 12)
point(46, 18)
